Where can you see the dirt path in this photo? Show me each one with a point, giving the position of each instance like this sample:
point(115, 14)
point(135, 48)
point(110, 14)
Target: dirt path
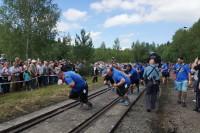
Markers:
point(169, 118)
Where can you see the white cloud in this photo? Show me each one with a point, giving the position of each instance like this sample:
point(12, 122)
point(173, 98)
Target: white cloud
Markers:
point(149, 11)
point(64, 26)
point(122, 19)
point(109, 5)
point(126, 40)
point(74, 14)
point(95, 35)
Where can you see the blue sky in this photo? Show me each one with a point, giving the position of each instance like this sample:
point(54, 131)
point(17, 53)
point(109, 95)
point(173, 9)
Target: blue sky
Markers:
point(129, 20)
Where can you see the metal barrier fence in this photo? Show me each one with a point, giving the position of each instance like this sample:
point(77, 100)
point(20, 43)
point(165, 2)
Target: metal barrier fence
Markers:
point(36, 82)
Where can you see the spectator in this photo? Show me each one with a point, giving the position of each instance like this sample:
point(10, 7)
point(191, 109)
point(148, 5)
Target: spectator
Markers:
point(27, 78)
point(196, 66)
point(33, 71)
point(95, 74)
point(1, 78)
point(46, 73)
point(5, 73)
point(40, 69)
point(51, 73)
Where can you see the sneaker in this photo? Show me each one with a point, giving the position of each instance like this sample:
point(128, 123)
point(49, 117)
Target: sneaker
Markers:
point(183, 104)
point(125, 103)
point(121, 100)
point(194, 101)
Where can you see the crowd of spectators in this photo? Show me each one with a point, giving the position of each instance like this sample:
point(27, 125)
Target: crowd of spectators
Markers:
point(31, 74)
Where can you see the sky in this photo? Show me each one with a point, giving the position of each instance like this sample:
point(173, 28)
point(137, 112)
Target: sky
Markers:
point(129, 20)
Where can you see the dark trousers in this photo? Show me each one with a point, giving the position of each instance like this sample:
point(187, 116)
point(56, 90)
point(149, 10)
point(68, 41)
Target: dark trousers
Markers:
point(5, 87)
point(95, 79)
point(122, 90)
point(1, 81)
point(137, 84)
point(53, 80)
point(34, 83)
point(150, 100)
point(82, 95)
point(197, 98)
point(151, 95)
point(27, 85)
point(45, 80)
point(40, 81)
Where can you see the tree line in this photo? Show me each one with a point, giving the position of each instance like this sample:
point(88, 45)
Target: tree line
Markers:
point(28, 30)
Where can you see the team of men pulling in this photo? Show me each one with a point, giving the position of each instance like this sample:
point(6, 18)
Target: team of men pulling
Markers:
point(124, 79)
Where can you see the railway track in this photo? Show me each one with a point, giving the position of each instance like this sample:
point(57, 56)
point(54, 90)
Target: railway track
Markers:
point(34, 121)
point(80, 128)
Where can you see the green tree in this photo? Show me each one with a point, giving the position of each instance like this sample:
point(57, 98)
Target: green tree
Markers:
point(116, 45)
point(103, 45)
point(29, 26)
point(83, 49)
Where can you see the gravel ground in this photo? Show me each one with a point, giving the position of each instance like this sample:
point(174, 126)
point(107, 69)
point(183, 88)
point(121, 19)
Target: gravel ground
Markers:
point(168, 118)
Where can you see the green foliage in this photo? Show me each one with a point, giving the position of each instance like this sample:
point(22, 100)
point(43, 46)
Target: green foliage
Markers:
point(116, 45)
point(103, 45)
point(185, 42)
point(83, 49)
point(28, 27)
point(86, 70)
point(28, 31)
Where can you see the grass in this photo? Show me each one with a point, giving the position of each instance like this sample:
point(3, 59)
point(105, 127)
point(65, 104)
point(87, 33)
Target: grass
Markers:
point(19, 103)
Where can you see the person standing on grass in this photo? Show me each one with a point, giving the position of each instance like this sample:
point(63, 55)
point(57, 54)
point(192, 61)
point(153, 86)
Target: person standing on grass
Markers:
point(79, 87)
point(6, 74)
point(27, 78)
point(95, 73)
point(196, 66)
point(34, 73)
point(40, 70)
point(1, 77)
point(183, 80)
point(46, 73)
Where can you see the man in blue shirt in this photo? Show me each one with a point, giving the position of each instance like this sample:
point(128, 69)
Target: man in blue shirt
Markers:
point(79, 86)
point(182, 72)
point(165, 73)
point(140, 70)
point(134, 77)
point(121, 83)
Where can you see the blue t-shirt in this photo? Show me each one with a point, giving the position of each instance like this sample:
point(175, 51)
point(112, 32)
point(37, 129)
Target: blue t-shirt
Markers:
point(26, 76)
point(165, 68)
point(181, 71)
point(140, 68)
point(117, 76)
point(134, 75)
point(71, 76)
